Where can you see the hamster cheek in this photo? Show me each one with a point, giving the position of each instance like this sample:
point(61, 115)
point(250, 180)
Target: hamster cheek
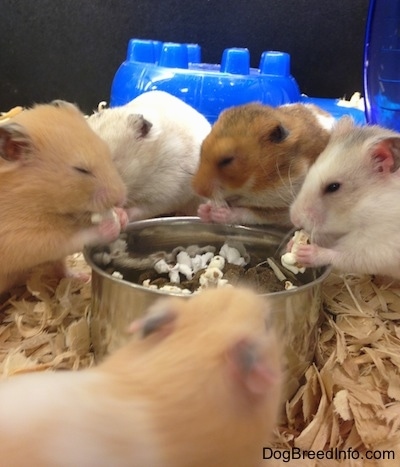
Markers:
point(314, 255)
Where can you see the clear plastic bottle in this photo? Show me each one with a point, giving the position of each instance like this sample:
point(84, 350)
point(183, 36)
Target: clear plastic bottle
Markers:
point(382, 64)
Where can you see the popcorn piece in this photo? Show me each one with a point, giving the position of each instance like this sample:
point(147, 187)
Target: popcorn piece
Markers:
point(217, 262)
point(103, 258)
point(146, 283)
point(288, 259)
point(212, 277)
point(117, 275)
point(206, 258)
point(232, 255)
point(162, 267)
point(289, 285)
point(102, 105)
point(183, 258)
point(98, 217)
point(174, 275)
point(175, 289)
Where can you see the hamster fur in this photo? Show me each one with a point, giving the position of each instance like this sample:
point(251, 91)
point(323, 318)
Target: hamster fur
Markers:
point(254, 160)
point(155, 143)
point(348, 203)
point(54, 172)
point(198, 385)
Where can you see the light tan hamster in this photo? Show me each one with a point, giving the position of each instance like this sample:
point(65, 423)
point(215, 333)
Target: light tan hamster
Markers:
point(54, 173)
point(254, 161)
point(198, 386)
point(155, 143)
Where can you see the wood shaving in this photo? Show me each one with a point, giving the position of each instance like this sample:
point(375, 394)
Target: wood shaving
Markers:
point(4, 116)
point(45, 326)
point(351, 395)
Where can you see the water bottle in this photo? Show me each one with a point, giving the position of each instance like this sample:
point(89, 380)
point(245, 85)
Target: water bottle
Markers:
point(382, 64)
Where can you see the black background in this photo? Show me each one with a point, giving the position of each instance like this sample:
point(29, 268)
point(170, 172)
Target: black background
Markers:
point(71, 49)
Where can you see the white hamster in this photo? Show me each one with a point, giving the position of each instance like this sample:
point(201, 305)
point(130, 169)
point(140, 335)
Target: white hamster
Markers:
point(349, 202)
point(155, 142)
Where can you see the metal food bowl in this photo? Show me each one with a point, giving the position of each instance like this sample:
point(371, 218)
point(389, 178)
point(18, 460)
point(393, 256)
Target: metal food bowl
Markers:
point(117, 302)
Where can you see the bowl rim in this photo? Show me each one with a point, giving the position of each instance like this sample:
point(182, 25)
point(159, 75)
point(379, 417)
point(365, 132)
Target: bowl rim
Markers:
point(138, 225)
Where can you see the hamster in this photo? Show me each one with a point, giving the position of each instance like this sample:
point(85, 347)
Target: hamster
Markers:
point(197, 385)
point(54, 172)
point(349, 202)
point(254, 160)
point(155, 143)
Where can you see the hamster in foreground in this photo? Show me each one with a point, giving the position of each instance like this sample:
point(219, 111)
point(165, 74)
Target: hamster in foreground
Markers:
point(155, 143)
point(198, 385)
point(254, 161)
point(54, 172)
point(349, 202)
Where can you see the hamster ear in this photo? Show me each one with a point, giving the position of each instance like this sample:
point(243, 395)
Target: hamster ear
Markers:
point(278, 134)
point(247, 365)
point(15, 142)
point(59, 103)
point(385, 155)
point(139, 124)
point(159, 320)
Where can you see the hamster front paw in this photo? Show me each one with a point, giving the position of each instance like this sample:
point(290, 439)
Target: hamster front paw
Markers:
point(108, 230)
point(312, 255)
point(122, 216)
point(210, 212)
point(204, 212)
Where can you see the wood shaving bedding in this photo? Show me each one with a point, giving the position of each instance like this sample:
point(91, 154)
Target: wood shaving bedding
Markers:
point(45, 326)
point(351, 396)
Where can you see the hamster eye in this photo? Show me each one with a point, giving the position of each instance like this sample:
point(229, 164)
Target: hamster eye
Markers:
point(225, 161)
point(82, 170)
point(332, 187)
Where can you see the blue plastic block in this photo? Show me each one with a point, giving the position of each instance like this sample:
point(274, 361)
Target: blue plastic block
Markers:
point(209, 88)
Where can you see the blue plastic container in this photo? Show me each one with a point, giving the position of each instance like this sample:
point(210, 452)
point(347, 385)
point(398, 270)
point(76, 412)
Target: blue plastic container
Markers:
point(382, 64)
point(210, 88)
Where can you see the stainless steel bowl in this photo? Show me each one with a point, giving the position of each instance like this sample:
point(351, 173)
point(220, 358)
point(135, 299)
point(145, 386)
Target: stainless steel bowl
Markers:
point(116, 302)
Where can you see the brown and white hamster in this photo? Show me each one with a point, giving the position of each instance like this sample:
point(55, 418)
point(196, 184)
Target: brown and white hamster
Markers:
point(349, 202)
point(198, 385)
point(54, 172)
point(254, 160)
point(155, 143)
